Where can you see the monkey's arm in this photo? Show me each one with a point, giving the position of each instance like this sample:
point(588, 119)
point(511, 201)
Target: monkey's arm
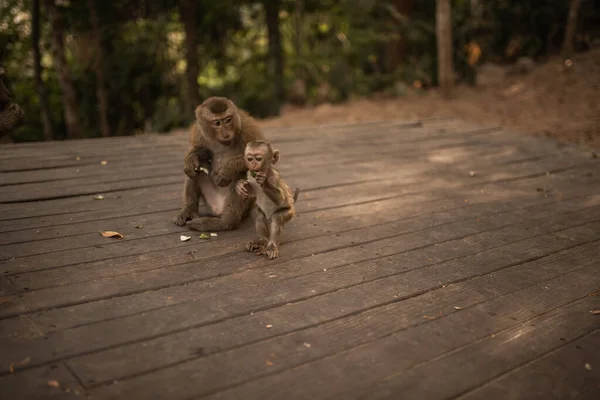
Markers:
point(228, 172)
point(274, 190)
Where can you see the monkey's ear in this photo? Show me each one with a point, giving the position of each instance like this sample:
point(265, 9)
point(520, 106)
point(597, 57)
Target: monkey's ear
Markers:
point(275, 156)
point(198, 111)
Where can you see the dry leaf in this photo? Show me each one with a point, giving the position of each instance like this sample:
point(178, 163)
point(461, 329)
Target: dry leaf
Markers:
point(269, 326)
point(103, 162)
point(588, 366)
point(472, 173)
point(21, 363)
point(184, 238)
point(595, 312)
point(99, 197)
point(111, 234)
point(139, 226)
point(77, 158)
point(54, 383)
point(458, 308)
point(308, 345)
point(213, 235)
point(269, 363)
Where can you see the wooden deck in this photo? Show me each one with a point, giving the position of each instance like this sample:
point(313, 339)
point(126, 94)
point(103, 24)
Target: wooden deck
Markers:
point(430, 260)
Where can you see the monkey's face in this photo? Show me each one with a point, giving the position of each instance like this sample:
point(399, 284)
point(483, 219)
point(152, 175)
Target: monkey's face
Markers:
point(256, 159)
point(224, 129)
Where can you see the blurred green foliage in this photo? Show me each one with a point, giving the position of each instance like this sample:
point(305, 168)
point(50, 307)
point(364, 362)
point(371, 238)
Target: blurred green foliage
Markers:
point(345, 51)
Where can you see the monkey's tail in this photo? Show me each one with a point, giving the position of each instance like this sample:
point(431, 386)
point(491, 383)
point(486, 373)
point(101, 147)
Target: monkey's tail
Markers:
point(296, 192)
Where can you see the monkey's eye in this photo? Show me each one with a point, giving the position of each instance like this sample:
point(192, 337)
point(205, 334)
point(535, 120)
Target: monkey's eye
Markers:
point(259, 158)
point(228, 120)
point(217, 123)
point(249, 158)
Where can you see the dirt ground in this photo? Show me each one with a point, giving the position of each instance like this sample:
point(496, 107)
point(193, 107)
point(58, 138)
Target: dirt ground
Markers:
point(558, 99)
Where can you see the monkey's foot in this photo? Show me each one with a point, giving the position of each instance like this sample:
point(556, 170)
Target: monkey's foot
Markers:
point(185, 216)
point(271, 251)
point(257, 245)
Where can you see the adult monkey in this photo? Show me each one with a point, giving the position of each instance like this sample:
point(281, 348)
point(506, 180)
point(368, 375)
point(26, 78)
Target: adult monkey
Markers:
point(213, 165)
point(11, 114)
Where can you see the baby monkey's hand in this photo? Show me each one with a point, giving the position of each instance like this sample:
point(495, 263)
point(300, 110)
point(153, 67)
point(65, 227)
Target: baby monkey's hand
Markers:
point(260, 178)
point(241, 188)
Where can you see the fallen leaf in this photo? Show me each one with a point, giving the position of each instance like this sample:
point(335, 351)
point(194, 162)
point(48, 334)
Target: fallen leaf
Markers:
point(269, 326)
point(77, 158)
point(184, 238)
point(204, 236)
point(308, 345)
point(269, 363)
point(21, 363)
point(428, 317)
point(472, 173)
point(458, 308)
point(213, 235)
point(54, 383)
point(588, 366)
point(595, 312)
point(103, 162)
point(139, 226)
point(111, 234)
point(99, 197)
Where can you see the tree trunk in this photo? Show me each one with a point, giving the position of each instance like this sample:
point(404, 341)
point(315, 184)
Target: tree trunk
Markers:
point(571, 28)
point(396, 47)
point(188, 13)
point(37, 70)
point(275, 53)
point(444, 47)
point(64, 74)
point(298, 24)
point(98, 61)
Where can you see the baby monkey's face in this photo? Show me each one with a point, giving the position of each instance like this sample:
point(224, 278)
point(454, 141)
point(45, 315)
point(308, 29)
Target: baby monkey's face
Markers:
point(257, 158)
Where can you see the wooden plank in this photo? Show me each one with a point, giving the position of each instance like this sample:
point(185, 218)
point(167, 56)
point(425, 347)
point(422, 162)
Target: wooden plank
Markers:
point(328, 332)
point(561, 374)
point(495, 355)
point(197, 376)
point(79, 273)
point(220, 300)
point(50, 382)
point(70, 221)
point(51, 239)
point(338, 225)
point(57, 189)
point(31, 301)
point(372, 252)
point(344, 374)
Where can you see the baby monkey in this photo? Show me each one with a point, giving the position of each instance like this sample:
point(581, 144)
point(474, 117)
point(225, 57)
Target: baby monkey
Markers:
point(274, 204)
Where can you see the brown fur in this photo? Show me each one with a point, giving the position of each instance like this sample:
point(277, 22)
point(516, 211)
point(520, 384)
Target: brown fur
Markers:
point(277, 205)
point(217, 144)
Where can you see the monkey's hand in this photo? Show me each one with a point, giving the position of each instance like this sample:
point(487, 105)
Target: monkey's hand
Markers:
point(194, 159)
point(261, 178)
point(241, 188)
